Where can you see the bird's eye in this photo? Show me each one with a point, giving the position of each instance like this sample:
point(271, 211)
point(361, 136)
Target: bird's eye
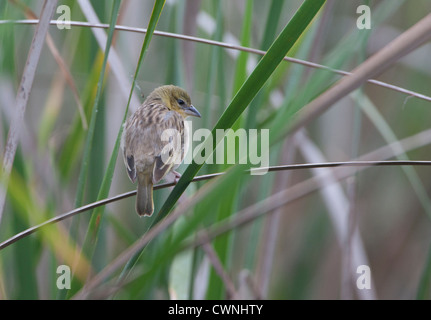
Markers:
point(181, 102)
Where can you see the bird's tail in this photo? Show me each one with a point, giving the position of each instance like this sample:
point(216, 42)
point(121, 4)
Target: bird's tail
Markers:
point(144, 196)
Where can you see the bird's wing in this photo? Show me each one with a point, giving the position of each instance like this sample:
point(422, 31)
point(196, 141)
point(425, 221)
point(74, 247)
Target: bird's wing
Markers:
point(160, 169)
point(131, 170)
point(128, 158)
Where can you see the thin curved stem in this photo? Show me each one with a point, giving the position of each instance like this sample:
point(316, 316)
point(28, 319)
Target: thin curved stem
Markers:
point(224, 45)
point(102, 202)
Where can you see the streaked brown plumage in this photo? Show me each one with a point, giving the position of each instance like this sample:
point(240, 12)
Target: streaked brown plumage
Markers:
point(145, 155)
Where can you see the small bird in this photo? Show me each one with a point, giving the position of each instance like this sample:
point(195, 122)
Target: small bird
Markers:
point(153, 141)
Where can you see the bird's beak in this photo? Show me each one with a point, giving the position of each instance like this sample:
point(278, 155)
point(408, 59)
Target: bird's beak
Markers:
point(192, 111)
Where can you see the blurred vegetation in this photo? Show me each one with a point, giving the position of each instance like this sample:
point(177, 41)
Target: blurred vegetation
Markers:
point(308, 248)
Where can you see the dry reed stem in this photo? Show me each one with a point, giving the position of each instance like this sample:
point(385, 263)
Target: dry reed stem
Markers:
point(23, 94)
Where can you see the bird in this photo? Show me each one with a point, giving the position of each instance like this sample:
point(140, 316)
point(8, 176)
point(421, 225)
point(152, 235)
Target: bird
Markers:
point(153, 141)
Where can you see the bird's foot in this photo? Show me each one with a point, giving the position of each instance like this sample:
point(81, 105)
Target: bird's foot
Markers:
point(177, 176)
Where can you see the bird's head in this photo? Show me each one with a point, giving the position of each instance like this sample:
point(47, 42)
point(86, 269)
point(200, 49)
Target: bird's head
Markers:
point(176, 99)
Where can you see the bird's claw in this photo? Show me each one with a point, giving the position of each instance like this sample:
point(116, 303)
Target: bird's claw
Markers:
point(177, 176)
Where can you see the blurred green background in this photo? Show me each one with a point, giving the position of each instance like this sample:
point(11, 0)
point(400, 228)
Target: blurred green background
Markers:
point(307, 249)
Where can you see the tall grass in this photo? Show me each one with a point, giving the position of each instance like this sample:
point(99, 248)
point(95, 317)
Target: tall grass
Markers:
point(296, 234)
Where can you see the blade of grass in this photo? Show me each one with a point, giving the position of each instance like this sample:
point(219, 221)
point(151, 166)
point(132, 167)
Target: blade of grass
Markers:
point(113, 59)
point(264, 261)
point(269, 228)
point(220, 271)
point(174, 70)
point(29, 206)
point(216, 63)
point(425, 280)
point(189, 27)
point(411, 39)
point(60, 61)
point(7, 38)
point(214, 67)
point(241, 63)
point(94, 225)
point(336, 203)
point(90, 135)
point(348, 274)
point(388, 134)
point(222, 246)
point(249, 89)
point(24, 254)
point(271, 24)
point(71, 154)
point(216, 285)
point(244, 96)
point(338, 57)
point(379, 122)
point(269, 35)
